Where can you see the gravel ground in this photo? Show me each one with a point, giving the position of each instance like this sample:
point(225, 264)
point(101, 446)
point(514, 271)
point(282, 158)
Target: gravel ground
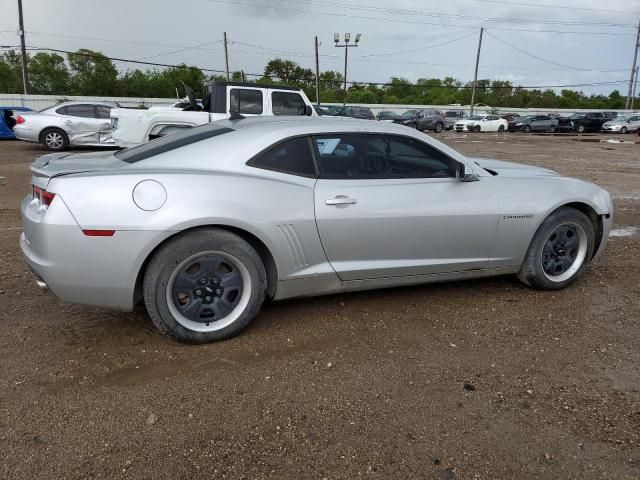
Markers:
point(479, 379)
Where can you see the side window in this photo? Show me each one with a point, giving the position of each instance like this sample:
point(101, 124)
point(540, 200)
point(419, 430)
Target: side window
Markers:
point(103, 111)
point(81, 110)
point(62, 111)
point(287, 103)
point(291, 156)
point(361, 156)
point(244, 100)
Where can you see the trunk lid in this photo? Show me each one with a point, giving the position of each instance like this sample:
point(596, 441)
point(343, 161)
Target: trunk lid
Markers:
point(55, 164)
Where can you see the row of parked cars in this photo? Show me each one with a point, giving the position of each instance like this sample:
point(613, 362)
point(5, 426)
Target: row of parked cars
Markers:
point(92, 124)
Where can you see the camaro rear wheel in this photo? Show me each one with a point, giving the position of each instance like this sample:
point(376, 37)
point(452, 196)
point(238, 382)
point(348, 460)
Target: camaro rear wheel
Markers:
point(205, 285)
point(560, 250)
point(54, 139)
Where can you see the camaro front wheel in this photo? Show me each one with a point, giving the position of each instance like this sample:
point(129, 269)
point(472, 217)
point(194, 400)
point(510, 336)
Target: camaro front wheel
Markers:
point(560, 250)
point(205, 285)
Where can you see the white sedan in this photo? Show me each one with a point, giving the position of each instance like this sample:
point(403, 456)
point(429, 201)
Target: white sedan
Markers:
point(68, 124)
point(481, 123)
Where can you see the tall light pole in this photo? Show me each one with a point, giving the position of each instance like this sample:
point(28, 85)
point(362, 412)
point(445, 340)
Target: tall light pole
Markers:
point(346, 45)
point(633, 68)
point(226, 55)
point(317, 74)
point(475, 75)
point(25, 77)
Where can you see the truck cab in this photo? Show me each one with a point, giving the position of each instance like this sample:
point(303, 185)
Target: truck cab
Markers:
point(133, 126)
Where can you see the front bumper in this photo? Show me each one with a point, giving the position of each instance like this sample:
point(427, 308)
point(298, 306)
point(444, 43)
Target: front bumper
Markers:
point(100, 271)
point(606, 128)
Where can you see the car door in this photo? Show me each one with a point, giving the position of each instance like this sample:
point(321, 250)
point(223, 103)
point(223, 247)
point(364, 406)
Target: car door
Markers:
point(105, 131)
point(540, 124)
point(493, 122)
point(81, 122)
point(288, 103)
point(391, 205)
point(634, 123)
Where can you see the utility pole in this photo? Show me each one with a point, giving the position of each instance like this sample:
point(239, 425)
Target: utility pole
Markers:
point(317, 75)
point(226, 55)
point(346, 45)
point(635, 84)
point(475, 75)
point(25, 77)
point(633, 67)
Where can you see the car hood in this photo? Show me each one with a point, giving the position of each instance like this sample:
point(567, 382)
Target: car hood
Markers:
point(55, 164)
point(511, 169)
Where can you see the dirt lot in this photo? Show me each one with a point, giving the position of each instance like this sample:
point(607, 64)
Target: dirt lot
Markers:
point(348, 386)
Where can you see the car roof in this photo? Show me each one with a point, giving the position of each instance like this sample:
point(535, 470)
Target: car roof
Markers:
point(310, 124)
point(87, 102)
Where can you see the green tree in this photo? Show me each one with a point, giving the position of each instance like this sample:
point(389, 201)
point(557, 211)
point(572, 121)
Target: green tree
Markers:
point(11, 72)
point(92, 73)
point(48, 74)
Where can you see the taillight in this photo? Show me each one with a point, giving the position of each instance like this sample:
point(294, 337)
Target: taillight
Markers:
point(20, 119)
point(45, 197)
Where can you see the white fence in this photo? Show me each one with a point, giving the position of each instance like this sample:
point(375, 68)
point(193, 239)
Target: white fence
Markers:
point(40, 102)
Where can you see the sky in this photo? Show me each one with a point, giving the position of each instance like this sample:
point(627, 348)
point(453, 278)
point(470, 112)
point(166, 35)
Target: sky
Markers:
point(401, 38)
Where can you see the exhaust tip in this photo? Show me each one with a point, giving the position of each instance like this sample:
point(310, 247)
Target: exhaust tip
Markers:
point(42, 284)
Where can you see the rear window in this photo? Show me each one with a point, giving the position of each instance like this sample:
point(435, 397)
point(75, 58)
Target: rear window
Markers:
point(171, 142)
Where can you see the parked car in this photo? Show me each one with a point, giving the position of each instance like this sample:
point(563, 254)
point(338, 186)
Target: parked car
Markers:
point(331, 109)
point(362, 113)
point(627, 123)
point(8, 120)
point(133, 126)
point(68, 124)
point(387, 116)
point(534, 123)
point(426, 119)
point(204, 225)
point(451, 117)
point(582, 122)
point(510, 117)
point(482, 123)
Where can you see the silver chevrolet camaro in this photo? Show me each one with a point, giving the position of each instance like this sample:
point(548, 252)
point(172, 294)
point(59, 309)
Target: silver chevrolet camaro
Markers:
point(206, 224)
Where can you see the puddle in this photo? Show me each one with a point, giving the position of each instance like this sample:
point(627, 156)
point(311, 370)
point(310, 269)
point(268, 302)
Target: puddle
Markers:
point(623, 232)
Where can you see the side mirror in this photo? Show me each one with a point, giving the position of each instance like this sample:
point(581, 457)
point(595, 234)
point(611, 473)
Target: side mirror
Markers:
point(464, 176)
point(308, 110)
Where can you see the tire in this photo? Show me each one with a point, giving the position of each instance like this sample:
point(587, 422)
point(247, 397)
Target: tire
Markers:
point(546, 267)
point(580, 128)
point(54, 139)
point(623, 130)
point(476, 129)
point(552, 128)
point(526, 129)
point(501, 129)
point(232, 286)
point(438, 128)
point(414, 126)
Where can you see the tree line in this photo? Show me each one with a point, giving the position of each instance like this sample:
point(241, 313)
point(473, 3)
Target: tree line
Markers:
point(91, 73)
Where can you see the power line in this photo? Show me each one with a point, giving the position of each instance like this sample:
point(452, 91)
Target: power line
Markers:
point(544, 59)
point(259, 75)
point(381, 19)
point(355, 6)
point(547, 5)
point(420, 49)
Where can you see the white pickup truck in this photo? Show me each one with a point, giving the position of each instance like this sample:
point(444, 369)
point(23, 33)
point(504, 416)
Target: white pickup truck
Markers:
point(220, 100)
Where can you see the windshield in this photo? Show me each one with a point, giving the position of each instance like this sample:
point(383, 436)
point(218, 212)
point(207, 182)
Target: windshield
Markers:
point(452, 114)
point(171, 142)
point(577, 116)
point(410, 113)
point(528, 118)
point(476, 117)
point(626, 118)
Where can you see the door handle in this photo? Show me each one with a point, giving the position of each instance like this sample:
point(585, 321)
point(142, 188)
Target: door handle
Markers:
point(67, 122)
point(341, 200)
